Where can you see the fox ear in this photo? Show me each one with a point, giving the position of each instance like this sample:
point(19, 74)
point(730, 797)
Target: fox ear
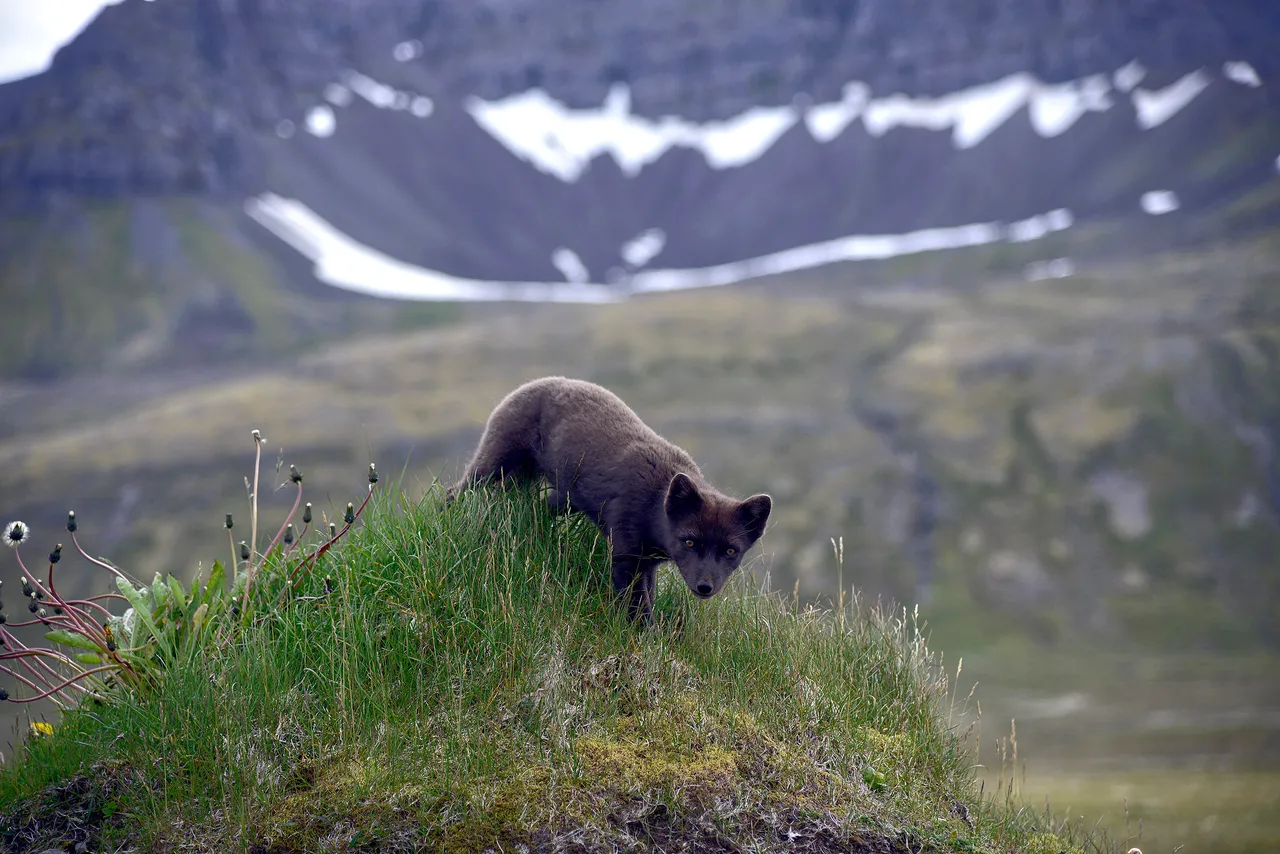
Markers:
point(753, 513)
point(683, 499)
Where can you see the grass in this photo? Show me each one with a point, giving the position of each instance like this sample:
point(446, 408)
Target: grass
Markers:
point(455, 679)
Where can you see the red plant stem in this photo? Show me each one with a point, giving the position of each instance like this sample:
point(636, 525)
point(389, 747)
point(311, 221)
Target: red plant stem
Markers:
point(92, 604)
point(67, 684)
point(54, 620)
point(104, 596)
point(37, 652)
point(27, 665)
point(310, 561)
point(21, 678)
point(74, 613)
point(30, 667)
point(85, 554)
point(296, 501)
point(86, 627)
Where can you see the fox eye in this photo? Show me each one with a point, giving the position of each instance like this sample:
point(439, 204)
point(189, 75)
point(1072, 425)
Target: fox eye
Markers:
point(688, 544)
point(730, 551)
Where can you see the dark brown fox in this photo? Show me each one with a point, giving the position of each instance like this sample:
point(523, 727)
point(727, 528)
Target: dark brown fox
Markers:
point(646, 494)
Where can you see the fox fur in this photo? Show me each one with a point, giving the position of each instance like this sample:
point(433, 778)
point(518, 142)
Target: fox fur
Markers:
point(645, 493)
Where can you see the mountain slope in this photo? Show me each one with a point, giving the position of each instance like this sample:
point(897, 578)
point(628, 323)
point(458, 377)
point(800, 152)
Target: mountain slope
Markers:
point(207, 163)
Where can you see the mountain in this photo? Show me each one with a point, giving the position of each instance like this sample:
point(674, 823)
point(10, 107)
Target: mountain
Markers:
point(188, 179)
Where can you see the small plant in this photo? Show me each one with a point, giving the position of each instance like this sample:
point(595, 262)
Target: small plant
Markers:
point(95, 653)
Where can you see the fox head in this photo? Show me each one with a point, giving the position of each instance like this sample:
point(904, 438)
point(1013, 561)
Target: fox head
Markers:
point(707, 533)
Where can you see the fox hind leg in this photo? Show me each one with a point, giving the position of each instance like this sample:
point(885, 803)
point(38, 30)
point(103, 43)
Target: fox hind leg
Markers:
point(506, 448)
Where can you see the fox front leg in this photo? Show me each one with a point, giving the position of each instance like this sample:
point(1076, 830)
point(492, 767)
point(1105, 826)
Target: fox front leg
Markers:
point(634, 578)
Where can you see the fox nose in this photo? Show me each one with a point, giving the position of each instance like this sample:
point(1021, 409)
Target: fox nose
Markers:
point(704, 588)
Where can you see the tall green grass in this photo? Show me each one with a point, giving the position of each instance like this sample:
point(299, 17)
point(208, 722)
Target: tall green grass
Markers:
point(457, 678)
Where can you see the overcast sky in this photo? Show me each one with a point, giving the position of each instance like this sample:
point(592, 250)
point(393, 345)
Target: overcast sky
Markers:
point(31, 30)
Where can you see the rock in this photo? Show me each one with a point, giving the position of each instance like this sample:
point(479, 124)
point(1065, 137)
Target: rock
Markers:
point(1127, 502)
point(173, 97)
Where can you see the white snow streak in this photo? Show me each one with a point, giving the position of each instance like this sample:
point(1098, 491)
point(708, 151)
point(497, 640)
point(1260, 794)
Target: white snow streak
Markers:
point(345, 263)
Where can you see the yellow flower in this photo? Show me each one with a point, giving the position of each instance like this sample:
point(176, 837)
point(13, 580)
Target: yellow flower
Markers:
point(41, 728)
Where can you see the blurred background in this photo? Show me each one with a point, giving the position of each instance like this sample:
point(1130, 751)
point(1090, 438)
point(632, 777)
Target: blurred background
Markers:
point(989, 290)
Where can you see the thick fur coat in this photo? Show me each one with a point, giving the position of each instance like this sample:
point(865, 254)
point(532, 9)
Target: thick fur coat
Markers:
point(646, 493)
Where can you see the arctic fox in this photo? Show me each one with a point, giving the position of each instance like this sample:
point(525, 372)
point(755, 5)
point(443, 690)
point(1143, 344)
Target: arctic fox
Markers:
point(645, 493)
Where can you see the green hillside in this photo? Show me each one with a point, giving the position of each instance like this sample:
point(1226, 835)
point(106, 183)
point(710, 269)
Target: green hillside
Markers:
point(457, 680)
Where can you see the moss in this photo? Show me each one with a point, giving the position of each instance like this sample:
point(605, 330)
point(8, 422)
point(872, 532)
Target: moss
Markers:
point(1049, 843)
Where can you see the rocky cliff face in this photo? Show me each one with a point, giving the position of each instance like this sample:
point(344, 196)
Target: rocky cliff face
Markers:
point(169, 97)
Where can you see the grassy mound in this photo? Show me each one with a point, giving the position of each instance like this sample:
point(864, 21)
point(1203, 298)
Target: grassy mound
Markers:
point(458, 680)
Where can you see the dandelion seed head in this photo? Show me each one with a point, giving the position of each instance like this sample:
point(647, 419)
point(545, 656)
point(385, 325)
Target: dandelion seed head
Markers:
point(15, 534)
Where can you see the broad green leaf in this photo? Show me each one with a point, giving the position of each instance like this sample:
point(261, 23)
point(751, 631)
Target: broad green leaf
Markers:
point(197, 619)
point(215, 581)
point(197, 591)
point(67, 638)
point(142, 614)
point(159, 592)
point(88, 658)
point(179, 593)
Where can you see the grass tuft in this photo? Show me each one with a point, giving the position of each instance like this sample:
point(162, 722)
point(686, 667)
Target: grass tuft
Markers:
point(458, 678)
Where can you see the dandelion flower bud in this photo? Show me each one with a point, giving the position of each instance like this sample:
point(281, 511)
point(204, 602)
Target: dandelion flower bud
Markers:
point(306, 514)
point(56, 554)
point(333, 530)
point(71, 521)
point(373, 474)
point(350, 515)
point(288, 534)
point(257, 436)
point(244, 550)
point(4, 695)
point(230, 522)
point(295, 475)
point(33, 606)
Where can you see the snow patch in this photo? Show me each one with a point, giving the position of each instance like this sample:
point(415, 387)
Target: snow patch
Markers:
point(321, 122)
point(1242, 73)
point(337, 94)
point(1057, 268)
point(570, 265)
point(1129, 76)
point(407, 51)
point(384, 97)
point(1033, 228)
point(828, 121)
point(345, 263)
point(973, 114)
point(1159, 202)
point(644, 247)
point(379, 94)
point(1054, 109)
point(852, 248)
point(1157, 107)
point(562, 141)
point(352, 266)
